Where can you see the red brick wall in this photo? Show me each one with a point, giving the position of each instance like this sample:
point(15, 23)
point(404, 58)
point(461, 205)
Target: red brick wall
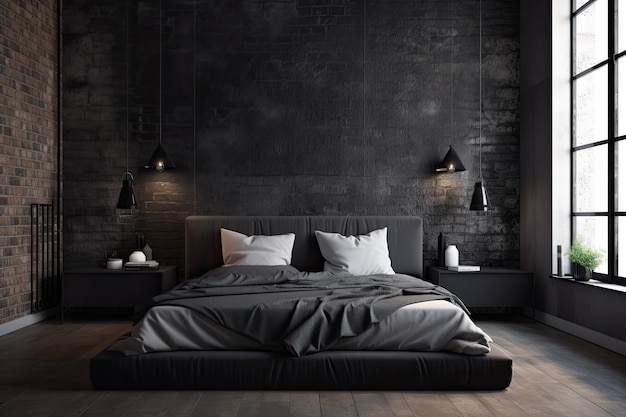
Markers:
point(28, 138)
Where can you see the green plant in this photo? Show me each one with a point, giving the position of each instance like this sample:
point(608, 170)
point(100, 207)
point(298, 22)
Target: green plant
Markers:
point(585, 255)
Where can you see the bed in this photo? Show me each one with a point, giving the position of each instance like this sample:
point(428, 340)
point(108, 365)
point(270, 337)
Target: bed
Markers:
point(373, 359)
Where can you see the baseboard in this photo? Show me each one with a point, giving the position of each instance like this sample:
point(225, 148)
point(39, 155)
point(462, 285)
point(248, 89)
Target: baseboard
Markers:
point(26, 321)
point(597, 338)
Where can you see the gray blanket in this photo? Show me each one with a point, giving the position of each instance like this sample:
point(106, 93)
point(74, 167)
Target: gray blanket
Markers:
point(299, 312)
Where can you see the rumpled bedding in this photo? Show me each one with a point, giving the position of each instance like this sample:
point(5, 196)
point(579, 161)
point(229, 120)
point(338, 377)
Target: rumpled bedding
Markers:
point(299, 313)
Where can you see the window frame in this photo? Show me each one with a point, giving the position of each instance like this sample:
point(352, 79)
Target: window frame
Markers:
point(611, 140)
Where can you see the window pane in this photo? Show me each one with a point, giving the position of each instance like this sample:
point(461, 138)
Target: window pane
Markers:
point(620, 176)
point(591, 107)
point(621, 29)
point(591, 37)
point(591, 180)
point(594, 232)
point(621, 98)
point(621, 247)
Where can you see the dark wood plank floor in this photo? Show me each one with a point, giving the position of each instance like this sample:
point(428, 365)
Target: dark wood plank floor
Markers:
point(44, 372)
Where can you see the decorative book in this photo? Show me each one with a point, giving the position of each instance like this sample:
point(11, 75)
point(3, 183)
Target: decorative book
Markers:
point(141, 266)
point(464, 268)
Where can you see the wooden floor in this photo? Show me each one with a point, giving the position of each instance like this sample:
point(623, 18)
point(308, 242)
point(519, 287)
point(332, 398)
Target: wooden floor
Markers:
point(43, 372)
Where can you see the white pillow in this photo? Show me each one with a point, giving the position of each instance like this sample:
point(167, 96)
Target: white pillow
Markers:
point(239, 249)
point(358, 255)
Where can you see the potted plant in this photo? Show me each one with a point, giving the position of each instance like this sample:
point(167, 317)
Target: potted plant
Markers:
point(585, 260)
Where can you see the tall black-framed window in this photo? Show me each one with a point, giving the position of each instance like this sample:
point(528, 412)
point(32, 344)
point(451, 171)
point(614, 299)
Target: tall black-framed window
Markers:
point(598, 138)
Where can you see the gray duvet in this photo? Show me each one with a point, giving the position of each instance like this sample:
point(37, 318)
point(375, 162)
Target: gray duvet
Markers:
point(298, 313)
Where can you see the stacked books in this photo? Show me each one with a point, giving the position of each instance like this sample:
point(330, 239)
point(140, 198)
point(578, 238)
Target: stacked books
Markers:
point(464, 268)
point(141, 266)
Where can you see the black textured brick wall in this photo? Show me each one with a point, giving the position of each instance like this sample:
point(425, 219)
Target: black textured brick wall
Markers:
point(291, 107)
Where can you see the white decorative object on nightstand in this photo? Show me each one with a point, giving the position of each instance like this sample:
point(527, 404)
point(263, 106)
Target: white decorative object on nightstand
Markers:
point(452, 256)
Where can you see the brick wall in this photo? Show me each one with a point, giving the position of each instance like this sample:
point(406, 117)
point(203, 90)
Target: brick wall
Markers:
point(28, 139)
point(291, 107)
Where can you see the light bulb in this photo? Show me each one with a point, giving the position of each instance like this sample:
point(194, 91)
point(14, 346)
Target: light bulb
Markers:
point(160, 166)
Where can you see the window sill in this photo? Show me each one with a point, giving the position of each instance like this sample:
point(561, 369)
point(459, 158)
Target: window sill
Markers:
point(594, 283)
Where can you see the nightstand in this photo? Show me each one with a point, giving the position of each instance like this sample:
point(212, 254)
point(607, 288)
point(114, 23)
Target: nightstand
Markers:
point(101, 287)
point(489, 287)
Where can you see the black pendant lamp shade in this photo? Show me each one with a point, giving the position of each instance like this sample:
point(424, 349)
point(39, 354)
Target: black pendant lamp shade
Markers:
point(159, 160)
point(450, 163)
point(127, 199)
point(480, 200)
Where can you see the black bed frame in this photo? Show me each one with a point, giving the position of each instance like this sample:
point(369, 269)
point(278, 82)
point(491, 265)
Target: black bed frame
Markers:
point(330, 370)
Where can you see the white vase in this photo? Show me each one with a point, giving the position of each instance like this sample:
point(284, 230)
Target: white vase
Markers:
point(452, 256)
point(137, 256)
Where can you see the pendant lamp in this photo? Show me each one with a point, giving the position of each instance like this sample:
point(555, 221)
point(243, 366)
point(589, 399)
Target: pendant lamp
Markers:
point(451, 162)
point(159, 159)
point(480, 200)
point(127, 199)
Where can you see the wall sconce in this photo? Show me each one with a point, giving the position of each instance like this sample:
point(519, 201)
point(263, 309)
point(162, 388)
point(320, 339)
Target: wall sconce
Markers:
point(159, 159)
point(480, 201)
point(450, 163)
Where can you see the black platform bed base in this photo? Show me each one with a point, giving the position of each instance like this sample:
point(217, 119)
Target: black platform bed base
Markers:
point(332, 370)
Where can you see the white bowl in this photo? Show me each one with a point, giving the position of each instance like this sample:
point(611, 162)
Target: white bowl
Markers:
point(114, 263)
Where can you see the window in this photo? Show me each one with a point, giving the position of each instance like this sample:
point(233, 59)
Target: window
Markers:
point(598, 137)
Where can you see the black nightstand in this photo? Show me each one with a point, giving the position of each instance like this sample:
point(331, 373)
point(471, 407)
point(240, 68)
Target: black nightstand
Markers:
point(489, 287)
point(101, 287)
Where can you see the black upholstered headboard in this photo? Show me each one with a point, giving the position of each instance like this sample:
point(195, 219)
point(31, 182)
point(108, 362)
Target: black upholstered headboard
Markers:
point(203, 248)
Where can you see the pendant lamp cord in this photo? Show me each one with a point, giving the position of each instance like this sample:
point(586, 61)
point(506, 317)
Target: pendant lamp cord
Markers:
point(194, 106)
point(480, 93)
point(160, 70)
point(451, 73)
point(127, 80)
